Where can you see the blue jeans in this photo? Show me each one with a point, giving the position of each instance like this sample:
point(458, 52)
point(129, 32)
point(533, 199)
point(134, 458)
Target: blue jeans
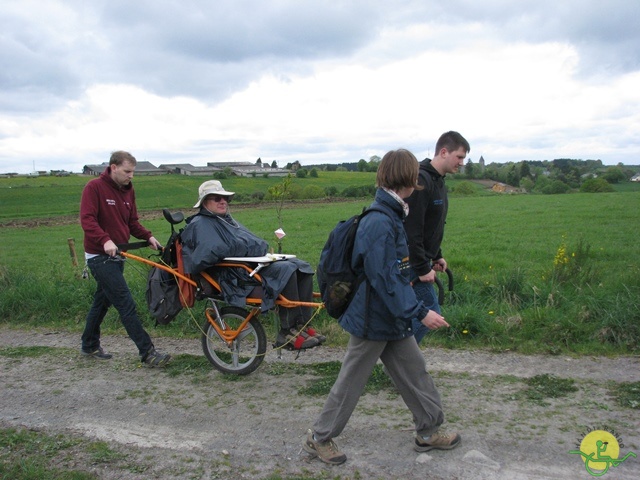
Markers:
point(112, 289)
point(427, 293)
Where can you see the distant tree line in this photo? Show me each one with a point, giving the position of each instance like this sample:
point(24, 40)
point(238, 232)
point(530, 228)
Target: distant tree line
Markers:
point(561, 175)
point(361, 165)
point(539, 176)
point(551, 176)
point(309, 192)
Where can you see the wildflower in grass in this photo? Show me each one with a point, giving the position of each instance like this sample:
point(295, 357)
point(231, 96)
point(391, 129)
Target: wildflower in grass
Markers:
point(465, 332)
point(490, 312)
point(572, 266)
point(561, 257)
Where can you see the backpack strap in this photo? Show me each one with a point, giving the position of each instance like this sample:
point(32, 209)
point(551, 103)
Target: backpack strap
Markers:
point(187, 291)
point(364, 278)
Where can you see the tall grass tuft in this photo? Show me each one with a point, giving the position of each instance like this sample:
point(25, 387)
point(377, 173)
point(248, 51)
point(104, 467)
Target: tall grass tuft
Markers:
point(35, 298)
point(571, 264)
point(511, 288)
point(616, 317)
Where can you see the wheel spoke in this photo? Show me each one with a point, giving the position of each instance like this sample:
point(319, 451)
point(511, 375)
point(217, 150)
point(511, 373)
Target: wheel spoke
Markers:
point(235, 354)
point(246, 351)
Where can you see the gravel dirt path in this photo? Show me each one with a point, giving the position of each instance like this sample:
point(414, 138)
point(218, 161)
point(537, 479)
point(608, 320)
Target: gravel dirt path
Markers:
point(208, 425)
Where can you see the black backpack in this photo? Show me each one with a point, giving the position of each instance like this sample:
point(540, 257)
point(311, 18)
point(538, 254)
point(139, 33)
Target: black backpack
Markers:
point(337, 281)
point(163, 296)
point(163, 291)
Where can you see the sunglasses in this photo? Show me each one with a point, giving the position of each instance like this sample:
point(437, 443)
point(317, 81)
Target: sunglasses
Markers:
point(218, 198)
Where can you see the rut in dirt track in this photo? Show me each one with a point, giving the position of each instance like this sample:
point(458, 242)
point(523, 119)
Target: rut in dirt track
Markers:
point(215, 426)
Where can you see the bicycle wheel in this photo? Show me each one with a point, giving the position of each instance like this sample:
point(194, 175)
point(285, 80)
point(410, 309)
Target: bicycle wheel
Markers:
point(245, 353)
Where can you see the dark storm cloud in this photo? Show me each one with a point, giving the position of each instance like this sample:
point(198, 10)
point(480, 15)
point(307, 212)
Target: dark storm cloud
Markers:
point(201, 49)
point(605, 33)
point(35, 71)
point(211, 49)
point(54, 53)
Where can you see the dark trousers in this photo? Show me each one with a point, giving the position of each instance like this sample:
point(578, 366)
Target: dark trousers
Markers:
point(299, 287)
point(112, 289)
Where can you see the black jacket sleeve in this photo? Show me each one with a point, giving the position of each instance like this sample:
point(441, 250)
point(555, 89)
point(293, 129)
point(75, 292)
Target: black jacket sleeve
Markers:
point(414, 226)
point(426, 220)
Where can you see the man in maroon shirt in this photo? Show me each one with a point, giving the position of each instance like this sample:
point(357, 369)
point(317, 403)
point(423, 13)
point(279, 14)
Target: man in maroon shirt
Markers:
point(109, 217)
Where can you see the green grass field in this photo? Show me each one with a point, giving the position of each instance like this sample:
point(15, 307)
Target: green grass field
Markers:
point(41, 197)
point(544, 273)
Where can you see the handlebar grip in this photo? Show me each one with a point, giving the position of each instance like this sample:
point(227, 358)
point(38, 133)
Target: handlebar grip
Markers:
point(440, 291)
point(440, 288)
point(450, 275)
point(132, 246)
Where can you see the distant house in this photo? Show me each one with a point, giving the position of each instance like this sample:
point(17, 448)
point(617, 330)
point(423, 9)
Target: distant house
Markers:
point(147, 168)
point(241, 169)
point(503, 188)
point(248, 169)
point(94, 170)
point(231, 164)
point(142, 168)
point(256, 170)
point(188, 169)
point(636, 178)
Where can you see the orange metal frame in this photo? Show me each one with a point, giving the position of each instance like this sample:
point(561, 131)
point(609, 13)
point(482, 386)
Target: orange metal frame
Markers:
point(227, 334)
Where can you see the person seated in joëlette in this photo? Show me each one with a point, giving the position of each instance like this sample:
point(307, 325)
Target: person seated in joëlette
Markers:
point(213, 234)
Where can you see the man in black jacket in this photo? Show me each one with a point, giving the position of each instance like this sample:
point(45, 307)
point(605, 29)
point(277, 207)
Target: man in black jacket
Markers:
point(427, 216)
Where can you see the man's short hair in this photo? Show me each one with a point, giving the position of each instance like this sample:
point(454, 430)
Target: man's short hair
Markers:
point(452, 141)
point(119, 157)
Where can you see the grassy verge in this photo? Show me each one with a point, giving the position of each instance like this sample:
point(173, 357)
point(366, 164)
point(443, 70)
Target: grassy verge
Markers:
point(29, 454)
point(554, 274)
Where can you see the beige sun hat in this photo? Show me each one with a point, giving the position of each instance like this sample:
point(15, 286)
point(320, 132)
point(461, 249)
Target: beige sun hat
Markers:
point(211, 187)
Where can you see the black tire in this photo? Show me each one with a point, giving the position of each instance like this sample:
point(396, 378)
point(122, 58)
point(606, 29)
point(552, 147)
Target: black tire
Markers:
point(245, 354)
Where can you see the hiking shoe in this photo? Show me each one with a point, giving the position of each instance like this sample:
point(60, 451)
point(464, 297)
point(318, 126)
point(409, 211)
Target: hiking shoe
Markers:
point(312, 332)
point(293, 339)
point(326, 451)
point(155, 359)
point(438, 441)
point(99, 353)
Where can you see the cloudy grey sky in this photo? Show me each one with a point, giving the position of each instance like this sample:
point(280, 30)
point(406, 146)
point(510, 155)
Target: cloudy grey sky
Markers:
point(192, 81)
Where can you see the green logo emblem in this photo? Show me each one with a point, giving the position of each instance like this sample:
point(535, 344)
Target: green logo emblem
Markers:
point(600, 450)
